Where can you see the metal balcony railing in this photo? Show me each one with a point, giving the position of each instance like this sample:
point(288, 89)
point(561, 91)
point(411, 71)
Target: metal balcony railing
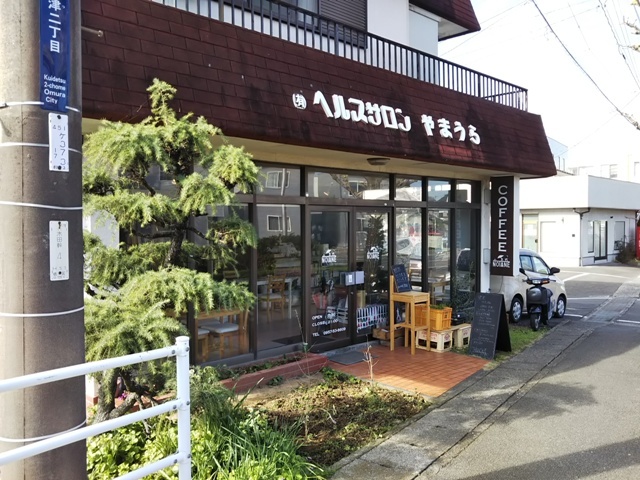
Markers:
point(303, 27)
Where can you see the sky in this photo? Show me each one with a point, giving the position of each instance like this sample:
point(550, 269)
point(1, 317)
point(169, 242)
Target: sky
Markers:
point(575, 88)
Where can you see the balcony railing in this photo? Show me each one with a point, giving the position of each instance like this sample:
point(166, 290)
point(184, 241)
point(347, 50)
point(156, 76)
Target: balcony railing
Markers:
point(303, 27)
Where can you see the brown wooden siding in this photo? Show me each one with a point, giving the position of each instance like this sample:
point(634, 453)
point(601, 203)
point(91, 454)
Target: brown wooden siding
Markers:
point(243, 82)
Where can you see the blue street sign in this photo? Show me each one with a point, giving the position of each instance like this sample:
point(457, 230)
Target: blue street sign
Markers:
point(55, 53)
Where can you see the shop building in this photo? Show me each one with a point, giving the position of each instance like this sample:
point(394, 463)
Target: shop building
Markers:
point(373, 150)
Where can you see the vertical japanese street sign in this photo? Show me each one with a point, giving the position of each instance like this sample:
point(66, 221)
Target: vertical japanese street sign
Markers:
point(55, 54)
point(58, 250)
point(58, 142)
point(502, 226)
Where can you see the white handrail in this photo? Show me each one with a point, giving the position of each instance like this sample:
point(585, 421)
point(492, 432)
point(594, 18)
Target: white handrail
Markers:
point(181, 405)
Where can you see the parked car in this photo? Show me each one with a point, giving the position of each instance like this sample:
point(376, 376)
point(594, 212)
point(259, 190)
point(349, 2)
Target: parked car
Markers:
point(411, 255)
point(514, 288)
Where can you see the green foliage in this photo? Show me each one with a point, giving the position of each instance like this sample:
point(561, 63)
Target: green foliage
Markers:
point(627, 253)
point(115, 326)
point(115, 453)
point(154, 270)
point(228, 440)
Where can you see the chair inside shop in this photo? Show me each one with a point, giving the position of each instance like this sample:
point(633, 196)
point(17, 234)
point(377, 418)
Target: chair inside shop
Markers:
point(231, 326)
point(274, 297)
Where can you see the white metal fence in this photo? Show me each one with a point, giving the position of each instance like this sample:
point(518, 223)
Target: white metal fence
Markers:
point(180, 405)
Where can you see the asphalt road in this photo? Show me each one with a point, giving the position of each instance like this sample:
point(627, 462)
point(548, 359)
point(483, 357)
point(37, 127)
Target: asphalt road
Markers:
point(580, 417)
point(588, 287)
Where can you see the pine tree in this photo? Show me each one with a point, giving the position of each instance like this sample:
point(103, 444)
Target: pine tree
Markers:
point(133, 287)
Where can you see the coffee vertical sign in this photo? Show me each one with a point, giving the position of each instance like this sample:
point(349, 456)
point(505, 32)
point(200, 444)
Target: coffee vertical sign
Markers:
point(502, 226)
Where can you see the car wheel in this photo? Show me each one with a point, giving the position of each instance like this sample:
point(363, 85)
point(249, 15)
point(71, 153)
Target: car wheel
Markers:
point(561, 307)
point(516, 309)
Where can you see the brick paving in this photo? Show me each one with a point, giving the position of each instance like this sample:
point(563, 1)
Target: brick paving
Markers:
point(429, 373)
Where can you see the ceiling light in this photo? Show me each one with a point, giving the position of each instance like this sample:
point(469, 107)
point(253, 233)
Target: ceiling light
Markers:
point(378, 161)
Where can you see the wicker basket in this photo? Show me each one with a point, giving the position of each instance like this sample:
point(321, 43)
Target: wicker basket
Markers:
point(440, 318)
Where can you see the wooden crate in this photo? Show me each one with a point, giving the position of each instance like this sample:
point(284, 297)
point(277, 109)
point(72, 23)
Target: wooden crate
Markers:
point(440, 318)
point(461, 335)
point(422, 316)
point(384, 334)
point(439, 341)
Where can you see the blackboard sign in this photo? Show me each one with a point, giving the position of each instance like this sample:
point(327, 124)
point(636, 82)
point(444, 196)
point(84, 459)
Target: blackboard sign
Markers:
point(489, 329)
point(401, 278)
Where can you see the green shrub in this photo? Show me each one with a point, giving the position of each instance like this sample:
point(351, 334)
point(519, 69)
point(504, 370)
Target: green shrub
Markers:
point(228, 441)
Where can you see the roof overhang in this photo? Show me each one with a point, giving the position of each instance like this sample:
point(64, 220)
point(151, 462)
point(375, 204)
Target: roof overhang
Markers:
point(458, 16)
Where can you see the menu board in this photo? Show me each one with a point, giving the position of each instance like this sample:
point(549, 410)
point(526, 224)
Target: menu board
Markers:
point(402, 279)
point(489, 331)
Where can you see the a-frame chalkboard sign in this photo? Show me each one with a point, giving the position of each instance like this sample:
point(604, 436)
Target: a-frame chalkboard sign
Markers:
point(489, 329)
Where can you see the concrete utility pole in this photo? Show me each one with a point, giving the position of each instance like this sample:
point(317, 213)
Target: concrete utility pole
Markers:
point(41, 263)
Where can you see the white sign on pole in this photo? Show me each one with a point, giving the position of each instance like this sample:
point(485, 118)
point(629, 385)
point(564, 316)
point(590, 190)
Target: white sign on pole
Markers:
point(58, 142)
point(58, 250)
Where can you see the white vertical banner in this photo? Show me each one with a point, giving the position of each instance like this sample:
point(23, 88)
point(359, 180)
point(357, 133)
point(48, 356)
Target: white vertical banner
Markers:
point(58, 250)
point(58, 142)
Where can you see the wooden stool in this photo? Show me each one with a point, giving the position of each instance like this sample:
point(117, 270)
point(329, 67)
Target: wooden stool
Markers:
point(410, 299)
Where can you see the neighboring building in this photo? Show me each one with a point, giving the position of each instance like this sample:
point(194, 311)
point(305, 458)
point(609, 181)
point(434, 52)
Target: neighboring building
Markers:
point(622, 167)
point(559, 152)
point(368, 142)
point(578, 220)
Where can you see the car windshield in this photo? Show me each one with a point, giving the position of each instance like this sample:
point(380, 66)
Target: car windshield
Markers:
point(539, 266)
point(532, 263)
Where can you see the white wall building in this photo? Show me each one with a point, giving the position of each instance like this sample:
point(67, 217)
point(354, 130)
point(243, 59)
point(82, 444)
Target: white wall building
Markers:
point(578, 220)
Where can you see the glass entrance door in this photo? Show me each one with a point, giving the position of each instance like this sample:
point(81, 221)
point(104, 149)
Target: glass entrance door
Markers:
point(349, 274)
point(372, 269)
point(330, 263)
point(600, 240)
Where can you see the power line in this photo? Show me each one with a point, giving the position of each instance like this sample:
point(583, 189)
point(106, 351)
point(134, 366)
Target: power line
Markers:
point(615, 37)
point(626, 116)
point(590, 134)
point(536, 33)
point(578, 25)
point(484, 29)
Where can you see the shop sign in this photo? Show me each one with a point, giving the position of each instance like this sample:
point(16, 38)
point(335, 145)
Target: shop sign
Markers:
point(373, 253)
point(358, 111)
point(55, 54)
point(329, 257)
point(502, 226)
point(326, 325)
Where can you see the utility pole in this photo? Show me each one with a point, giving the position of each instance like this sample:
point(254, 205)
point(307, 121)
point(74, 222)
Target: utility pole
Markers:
point(41, 262)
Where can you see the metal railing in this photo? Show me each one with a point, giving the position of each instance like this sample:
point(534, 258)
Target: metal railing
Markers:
point(180, 405)
point(303, 27)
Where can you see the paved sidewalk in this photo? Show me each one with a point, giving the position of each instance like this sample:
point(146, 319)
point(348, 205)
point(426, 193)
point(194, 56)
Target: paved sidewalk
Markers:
point(463, 410)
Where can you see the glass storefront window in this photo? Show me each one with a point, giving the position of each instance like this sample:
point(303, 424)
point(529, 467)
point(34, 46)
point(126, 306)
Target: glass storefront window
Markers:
point(463, 284)
point(240, 271)
point(279, 181)
point(439, 190)
point(409, 243)
point(409, 188)
point(367, 186)
point(278, 310)
point(465, 191)
point(234, 342)
point(439, 255)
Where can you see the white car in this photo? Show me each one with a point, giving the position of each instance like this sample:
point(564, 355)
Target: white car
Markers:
point(514, 289)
